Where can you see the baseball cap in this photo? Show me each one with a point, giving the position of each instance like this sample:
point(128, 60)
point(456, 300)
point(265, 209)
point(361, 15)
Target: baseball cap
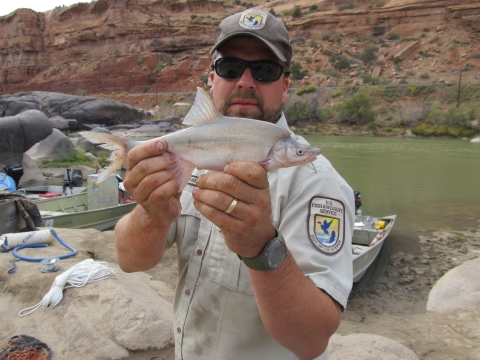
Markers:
point(261, 25)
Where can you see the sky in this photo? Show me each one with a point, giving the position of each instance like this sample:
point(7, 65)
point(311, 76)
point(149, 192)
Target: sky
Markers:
point(7, 6)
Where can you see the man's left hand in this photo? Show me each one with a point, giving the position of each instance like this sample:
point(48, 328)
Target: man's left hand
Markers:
point(248, 227)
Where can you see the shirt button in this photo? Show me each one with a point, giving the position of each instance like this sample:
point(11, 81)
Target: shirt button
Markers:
point(187, 292)
point(199, 252)
point(179, 330)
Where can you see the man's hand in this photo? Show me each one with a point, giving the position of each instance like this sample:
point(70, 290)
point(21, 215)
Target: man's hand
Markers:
point(249, 226)
point(150, 184)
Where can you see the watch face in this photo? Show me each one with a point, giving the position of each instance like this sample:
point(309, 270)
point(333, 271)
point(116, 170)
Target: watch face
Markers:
point(277, 256)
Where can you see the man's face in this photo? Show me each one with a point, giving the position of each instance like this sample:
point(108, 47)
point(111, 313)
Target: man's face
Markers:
point(245, 96)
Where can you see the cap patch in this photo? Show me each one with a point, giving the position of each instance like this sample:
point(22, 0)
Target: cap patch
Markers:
point(253, 19)
point(326, 224)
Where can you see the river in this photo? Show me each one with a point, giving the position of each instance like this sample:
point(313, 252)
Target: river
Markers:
point(431, 184)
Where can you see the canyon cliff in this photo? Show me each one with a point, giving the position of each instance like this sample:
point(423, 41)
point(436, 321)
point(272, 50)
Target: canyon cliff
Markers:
point(138, 46)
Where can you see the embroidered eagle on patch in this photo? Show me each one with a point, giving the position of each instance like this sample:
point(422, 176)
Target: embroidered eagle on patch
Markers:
point(326, 224)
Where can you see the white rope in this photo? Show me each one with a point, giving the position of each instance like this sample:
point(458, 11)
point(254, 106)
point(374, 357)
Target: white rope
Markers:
point(77, 276)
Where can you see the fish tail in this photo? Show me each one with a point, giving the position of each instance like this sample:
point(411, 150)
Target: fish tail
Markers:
point(117, 144)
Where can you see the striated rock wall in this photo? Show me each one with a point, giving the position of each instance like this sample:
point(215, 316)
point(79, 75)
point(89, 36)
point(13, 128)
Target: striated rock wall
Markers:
point(145, 46)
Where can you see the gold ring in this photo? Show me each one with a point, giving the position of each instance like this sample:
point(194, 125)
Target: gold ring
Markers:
point(232, 206)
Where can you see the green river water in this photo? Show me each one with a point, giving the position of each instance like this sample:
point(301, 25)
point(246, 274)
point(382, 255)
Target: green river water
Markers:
point(431, 184)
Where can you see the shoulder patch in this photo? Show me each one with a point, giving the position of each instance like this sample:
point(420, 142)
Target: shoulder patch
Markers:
point(326, 224)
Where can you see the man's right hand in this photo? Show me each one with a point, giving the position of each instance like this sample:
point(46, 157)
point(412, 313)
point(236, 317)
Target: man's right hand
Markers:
point(151, 184)
point(141, 235)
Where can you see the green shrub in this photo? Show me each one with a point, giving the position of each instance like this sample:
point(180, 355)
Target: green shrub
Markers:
point(393, 36)
point(342, 64)
point(300, 91)
point(145, 89)
point(337, 92)
point(66, 160)
point(331, 72)
point(272, 12)
point(425, 76)
point(204, 78)
point(141, 60)
point(413, 90)
point(313, 8)
point(158, 68)
point(357, 109)
point(297, 11)
point(193, 16)
point(310, 88)
point(369, 56)
point(297, 71)
point(303, 111)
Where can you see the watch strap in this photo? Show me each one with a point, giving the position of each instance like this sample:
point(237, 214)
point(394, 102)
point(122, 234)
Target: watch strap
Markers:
point(261, 262)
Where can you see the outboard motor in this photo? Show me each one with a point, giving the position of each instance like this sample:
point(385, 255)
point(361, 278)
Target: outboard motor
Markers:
point(71, 178)
point(358, 202)
point(15, 171)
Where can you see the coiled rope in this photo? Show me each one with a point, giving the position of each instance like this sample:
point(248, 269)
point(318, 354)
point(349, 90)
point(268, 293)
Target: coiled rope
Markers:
point(77, 276)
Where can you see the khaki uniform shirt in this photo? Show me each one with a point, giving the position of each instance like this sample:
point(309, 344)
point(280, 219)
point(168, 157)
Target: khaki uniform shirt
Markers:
point(216, 316)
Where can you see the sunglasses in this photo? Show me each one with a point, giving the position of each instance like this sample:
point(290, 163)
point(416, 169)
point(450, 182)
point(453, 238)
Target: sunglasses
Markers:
point(262, 70)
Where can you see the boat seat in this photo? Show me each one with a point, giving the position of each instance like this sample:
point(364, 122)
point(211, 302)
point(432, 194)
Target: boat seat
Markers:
point(50, 213)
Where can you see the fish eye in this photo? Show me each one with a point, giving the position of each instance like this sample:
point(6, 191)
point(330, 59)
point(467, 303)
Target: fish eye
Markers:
point(300, 152)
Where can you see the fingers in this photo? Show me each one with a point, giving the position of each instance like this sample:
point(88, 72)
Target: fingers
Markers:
point(146, 150)
point(241, 181)
point(251, 173)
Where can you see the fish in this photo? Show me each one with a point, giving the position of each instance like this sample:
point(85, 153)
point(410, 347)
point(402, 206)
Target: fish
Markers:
point(212, 141)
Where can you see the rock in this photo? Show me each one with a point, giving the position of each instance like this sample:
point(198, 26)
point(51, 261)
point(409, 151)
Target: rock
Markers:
point(53, 147)
point(85, 110)
point(60, 123)
point(458, 289)
point(377, 70)
point(406, 50)
point(31, 171)
point(173, 120)
point(100, 320)
point(20, 132)
point(367, 347)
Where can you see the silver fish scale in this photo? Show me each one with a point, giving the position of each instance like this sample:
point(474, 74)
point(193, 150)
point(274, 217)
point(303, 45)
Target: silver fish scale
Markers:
point(215, 144)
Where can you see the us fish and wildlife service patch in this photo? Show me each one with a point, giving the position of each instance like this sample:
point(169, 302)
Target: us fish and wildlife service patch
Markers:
point(253, 19)
point(326, 224)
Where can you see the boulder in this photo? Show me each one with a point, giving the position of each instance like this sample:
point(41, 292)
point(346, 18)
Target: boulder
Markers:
point(85, 110)
point(458, 289)
point(60, 123)
point(55, 146)
point(20, 132)
point(367, 347)
point(31, 171)
point(106, 319)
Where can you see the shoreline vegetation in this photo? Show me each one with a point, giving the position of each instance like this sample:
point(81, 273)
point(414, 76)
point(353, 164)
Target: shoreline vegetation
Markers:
point(440, 110)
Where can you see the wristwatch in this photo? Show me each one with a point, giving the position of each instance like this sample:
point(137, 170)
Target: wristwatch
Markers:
point(271, 257)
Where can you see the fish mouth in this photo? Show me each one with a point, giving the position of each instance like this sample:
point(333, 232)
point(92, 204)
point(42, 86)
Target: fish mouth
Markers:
point(311, 158)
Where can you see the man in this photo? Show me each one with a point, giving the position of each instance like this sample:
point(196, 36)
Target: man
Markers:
point(265, 263)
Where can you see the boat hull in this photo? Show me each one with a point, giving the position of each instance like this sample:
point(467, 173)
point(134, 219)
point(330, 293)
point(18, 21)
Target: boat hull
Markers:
point(363, 255)
point(72, 212)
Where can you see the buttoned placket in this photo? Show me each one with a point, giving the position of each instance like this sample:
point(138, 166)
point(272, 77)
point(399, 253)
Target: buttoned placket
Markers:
point(191, 280)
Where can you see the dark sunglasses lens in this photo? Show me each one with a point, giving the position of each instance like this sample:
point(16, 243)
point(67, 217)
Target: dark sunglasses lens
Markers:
point(229, 69)
point(267, 71)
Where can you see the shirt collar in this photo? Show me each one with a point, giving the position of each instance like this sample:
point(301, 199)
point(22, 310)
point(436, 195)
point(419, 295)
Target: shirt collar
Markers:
point(283, 123)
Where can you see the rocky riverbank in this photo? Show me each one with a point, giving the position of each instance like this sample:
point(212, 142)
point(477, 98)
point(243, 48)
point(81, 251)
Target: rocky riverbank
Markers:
point(130, 316)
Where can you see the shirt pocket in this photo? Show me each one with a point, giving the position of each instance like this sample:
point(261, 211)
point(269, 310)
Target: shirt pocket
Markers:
point(224, 266)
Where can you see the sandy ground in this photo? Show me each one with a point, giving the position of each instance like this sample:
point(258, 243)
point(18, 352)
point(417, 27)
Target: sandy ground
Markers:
point(390, 301)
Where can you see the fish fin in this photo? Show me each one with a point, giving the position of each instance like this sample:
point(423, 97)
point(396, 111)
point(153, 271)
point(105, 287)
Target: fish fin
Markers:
point(203, 110)
point(109, 142)
point(181, 169)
